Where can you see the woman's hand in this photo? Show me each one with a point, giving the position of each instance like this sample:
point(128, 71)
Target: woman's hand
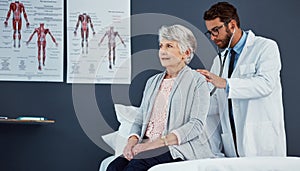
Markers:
point(127, 152)
point(141, 147)
point(133, 148)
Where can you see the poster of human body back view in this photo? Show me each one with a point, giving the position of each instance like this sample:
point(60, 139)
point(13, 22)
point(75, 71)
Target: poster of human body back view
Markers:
point(98, 42)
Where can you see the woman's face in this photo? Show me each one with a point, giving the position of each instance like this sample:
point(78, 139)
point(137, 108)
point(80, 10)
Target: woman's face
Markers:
point(170, 54)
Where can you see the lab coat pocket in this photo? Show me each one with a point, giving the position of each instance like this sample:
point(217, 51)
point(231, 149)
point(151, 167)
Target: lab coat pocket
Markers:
point(228, 145)
point(247, 70)
point(260, 139)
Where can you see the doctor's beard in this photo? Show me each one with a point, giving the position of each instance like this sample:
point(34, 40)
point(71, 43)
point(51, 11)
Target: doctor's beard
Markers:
point(225, 41)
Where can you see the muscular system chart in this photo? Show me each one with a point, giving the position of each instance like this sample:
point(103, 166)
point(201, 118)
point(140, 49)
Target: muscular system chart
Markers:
point(31, 41)
point(99, 42)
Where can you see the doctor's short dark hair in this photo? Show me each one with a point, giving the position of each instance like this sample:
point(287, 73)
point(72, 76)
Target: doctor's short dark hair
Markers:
point(223, 10)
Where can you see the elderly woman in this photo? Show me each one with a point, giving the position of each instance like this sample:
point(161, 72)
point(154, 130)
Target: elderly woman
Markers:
point(172, 115)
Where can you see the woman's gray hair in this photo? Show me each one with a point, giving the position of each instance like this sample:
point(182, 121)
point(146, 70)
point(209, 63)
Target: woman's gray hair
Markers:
point(184, 36)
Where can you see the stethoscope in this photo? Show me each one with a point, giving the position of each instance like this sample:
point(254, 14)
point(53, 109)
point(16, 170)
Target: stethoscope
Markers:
point(222, 62)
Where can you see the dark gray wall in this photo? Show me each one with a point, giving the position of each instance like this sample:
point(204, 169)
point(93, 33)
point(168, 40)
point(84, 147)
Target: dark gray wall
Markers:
point(65, 145)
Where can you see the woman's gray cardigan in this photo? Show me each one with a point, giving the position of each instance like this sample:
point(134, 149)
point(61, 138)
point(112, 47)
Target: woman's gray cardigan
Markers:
point(186, 113)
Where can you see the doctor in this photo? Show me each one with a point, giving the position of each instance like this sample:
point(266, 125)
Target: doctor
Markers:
point(248, 97)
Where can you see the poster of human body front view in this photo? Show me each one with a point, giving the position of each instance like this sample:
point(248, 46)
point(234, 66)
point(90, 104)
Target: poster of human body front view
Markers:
point(31, 41)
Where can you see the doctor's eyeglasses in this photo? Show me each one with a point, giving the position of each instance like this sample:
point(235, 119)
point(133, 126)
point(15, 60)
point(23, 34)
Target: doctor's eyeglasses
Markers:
point(214, 31)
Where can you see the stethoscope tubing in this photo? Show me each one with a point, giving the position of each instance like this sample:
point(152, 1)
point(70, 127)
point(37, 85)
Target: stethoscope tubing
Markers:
point(222, 62)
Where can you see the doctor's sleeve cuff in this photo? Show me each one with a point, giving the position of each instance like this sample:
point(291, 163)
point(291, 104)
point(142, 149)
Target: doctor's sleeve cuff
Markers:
point(227, 86)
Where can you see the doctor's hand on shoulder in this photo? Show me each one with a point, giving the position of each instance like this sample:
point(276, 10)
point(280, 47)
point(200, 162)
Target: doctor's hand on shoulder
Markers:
point(217, 81)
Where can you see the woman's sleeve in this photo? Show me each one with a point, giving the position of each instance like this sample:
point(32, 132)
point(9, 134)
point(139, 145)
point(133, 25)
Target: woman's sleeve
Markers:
point(198, 114)
point(138, 123)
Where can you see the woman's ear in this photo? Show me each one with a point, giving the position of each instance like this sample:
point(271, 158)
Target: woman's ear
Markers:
point(187, 53)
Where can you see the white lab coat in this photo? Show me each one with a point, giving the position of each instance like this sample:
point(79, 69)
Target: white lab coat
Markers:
point(255, 90)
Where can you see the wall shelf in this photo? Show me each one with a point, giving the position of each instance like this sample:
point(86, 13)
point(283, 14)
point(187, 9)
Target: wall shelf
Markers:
point(17, 121)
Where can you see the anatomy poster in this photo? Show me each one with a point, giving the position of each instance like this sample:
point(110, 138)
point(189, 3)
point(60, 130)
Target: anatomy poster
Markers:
point(31, 41)
point(99, 41)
